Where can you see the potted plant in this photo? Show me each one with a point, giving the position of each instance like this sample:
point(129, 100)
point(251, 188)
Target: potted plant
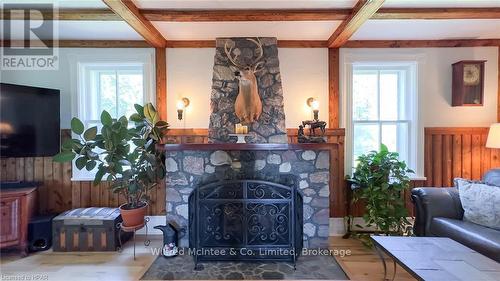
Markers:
point(123, 152)
point(380, 180)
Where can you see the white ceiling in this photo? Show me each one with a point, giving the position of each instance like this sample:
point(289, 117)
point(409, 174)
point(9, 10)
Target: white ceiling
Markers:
point(303, 30)
point(440, 3)
point(82, 30)
point(428, 29)
point(263, 4)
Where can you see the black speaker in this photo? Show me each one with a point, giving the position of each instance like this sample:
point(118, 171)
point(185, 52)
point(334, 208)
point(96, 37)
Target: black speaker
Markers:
point(40, 233)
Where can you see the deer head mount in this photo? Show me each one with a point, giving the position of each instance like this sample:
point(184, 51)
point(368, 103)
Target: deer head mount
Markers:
point(248, 106)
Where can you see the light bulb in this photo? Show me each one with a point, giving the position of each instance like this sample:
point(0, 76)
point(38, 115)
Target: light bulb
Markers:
point(180, 104)
point(315, 105)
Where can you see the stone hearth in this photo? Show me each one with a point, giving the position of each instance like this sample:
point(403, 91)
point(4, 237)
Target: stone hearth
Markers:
point(306, 169)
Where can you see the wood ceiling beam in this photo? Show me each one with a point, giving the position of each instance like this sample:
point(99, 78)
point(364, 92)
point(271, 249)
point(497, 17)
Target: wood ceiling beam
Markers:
point(130, 14)
point(65, 14)
point(281, 44)
point(436, 13)
point(362, 11)
point(421, 43)
point(261, 15)
point(246, 15)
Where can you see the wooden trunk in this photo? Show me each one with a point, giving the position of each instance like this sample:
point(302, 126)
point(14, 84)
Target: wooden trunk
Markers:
point(88, 229)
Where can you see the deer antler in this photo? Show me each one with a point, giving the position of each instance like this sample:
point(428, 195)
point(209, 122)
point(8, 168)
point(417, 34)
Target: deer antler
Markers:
point(259, 49)
point(230, 57)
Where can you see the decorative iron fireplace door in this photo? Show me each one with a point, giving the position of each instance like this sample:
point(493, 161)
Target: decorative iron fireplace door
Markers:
point(247, 220)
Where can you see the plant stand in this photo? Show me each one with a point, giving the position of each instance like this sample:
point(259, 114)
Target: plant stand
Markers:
point(134, 230)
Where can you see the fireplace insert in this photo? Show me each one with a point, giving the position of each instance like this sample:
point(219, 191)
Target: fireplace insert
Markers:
point(245, 220)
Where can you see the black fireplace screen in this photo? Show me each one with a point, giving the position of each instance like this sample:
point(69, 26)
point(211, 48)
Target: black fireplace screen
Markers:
point(245, 220)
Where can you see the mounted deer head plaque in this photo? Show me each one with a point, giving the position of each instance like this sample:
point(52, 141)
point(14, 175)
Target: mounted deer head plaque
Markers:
point(246, 88)
point(248, 105)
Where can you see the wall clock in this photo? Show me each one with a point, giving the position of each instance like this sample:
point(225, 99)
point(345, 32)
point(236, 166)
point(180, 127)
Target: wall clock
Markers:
point(468, 83)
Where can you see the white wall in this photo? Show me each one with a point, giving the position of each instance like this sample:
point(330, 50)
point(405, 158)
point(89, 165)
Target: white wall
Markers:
point(62, 78)
point(434, 83)
point(304, 73)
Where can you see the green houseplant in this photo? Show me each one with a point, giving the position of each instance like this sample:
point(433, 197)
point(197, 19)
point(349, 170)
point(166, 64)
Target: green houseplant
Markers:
point(123, 152)
point(380, 180)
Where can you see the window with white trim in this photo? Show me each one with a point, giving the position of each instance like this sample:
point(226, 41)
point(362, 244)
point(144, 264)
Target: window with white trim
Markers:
point(111, 86)
point(383, 110)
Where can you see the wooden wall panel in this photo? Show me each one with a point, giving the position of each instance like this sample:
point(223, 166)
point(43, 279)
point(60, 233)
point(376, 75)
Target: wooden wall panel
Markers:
point(58, 193)
point(457, 152)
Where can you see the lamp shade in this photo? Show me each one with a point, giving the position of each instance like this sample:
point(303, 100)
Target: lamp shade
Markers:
point(493, 140)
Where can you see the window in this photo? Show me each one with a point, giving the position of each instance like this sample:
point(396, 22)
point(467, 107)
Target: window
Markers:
point(383, 110)
point(111, 86)
point(114, 88)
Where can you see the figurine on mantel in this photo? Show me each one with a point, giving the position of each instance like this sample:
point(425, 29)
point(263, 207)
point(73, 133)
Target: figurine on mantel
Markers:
point(312, 138)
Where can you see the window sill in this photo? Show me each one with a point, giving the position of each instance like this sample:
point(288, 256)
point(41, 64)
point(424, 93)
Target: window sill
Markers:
point(417, 178)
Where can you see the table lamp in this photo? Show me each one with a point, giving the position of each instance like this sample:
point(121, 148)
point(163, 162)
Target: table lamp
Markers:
point(493, 140)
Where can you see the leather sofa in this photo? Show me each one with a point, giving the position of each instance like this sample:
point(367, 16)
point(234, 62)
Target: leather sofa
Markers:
point(439, 213)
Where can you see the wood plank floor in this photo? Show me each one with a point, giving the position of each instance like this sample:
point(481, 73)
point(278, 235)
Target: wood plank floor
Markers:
point(361, 265)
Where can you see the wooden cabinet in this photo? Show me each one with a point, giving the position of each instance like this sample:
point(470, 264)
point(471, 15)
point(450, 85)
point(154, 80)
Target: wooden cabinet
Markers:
point(16, 209)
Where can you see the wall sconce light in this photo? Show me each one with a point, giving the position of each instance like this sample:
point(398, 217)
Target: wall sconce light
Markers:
point(181, 105)
point(314, 105)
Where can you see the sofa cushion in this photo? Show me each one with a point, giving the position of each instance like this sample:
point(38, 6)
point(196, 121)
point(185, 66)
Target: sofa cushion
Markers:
point(482, 239)
point(492, 177)
point(481, 202)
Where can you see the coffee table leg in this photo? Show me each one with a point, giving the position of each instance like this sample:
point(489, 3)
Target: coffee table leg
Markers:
point(381, 256)
point(394, 272)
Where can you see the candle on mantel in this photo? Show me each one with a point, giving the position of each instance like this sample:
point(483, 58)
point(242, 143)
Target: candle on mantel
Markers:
point(240, 129)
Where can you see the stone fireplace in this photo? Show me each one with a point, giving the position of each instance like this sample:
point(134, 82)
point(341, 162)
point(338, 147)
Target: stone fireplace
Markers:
point(300, 166)
point(217, 181)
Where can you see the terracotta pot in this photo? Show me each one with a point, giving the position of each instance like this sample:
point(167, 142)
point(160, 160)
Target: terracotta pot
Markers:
point(133, 217)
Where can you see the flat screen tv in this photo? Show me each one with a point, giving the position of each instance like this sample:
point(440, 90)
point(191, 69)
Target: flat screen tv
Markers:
point(29, 121)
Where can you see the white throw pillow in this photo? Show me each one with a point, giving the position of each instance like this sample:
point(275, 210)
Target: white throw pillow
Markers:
point(481, 202)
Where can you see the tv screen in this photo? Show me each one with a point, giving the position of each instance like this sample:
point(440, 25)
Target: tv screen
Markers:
point(29, 121)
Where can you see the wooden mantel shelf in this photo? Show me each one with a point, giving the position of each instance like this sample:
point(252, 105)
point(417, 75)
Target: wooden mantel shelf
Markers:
point(247, 146)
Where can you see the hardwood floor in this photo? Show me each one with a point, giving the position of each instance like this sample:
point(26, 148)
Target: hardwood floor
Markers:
point(82, 265)
point(362, 264)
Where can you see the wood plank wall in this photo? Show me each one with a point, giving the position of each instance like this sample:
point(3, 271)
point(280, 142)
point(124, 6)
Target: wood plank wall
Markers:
point(58, 193)
point(457, 152)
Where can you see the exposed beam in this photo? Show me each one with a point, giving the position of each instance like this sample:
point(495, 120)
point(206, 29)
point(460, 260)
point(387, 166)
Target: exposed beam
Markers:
point(362, 11)
point(246, 15)
point(262, 15)
point(333, 88)
point(191, 44)
point(421, 43)
point(65, 14)
point(281, 44)
point(161, 82)
point(83, 44)
point(130, 14)
point(437, 13)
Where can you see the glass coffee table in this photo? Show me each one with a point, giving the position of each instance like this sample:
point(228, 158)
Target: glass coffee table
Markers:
point(435, 258)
